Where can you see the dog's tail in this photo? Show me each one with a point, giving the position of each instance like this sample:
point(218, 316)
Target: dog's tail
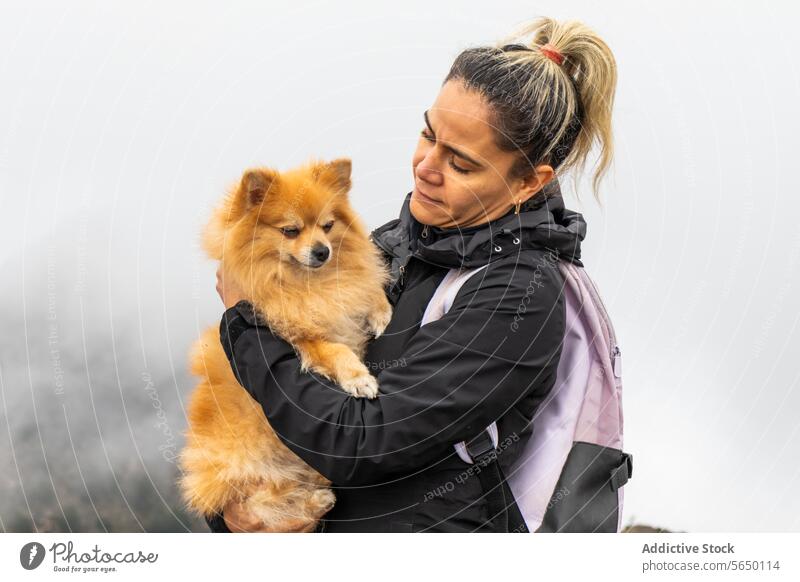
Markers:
point(208, 360)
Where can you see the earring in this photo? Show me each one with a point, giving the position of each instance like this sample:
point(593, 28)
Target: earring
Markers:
point(518, 204)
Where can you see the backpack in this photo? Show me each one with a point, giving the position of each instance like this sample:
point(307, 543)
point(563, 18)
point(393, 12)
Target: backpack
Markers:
point(570, 473)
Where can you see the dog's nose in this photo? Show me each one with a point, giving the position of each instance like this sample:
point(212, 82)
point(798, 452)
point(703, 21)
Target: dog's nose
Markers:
point(320, 253)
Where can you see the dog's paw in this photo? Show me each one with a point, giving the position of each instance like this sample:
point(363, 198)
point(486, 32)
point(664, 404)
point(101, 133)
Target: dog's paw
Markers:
point(379, 320)
point(323, 500)
point(361, 385)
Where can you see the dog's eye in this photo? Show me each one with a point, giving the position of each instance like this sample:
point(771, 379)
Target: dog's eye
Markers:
point(327, 226)
point(290, 232)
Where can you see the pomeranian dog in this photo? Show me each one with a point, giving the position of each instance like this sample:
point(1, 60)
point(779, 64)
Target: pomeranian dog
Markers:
point(293, 243)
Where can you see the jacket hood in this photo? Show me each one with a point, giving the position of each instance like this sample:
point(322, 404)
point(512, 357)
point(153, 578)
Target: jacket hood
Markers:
point(543, 223)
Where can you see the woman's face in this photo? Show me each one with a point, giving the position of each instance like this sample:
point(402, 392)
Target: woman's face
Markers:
point(460, 175)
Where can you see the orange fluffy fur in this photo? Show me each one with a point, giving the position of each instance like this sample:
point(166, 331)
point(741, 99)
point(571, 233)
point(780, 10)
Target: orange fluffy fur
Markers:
point(327, 312)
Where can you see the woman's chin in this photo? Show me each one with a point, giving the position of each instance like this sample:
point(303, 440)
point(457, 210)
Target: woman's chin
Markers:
point(424, 213)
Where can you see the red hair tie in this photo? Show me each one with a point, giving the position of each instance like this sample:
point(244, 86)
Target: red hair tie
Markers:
point(552, 53)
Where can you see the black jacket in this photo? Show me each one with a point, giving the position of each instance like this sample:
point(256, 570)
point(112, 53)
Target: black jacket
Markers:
point(492, 357)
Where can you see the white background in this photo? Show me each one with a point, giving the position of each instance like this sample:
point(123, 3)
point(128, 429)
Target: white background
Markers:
point(285, 555)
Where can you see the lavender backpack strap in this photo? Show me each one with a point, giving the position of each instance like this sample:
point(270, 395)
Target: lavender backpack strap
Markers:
point(440, 304)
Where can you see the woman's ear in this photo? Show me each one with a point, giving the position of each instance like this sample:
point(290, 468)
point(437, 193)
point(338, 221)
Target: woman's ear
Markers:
point(534, 182)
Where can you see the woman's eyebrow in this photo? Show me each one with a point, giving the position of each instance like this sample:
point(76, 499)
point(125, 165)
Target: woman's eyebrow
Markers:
point(457, 152)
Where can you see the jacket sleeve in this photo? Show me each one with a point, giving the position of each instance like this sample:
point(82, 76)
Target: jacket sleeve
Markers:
point(500, 340)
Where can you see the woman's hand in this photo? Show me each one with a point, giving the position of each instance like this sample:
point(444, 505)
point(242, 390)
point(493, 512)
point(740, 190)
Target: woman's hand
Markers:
point(239, 520)
point(228, 290)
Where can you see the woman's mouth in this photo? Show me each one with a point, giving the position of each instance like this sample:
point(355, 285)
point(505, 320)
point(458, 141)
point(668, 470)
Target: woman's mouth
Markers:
point(419, 195)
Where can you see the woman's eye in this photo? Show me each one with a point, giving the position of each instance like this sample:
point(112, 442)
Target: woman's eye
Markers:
point(432, 139)
point(290, 232)
point(327, 226)
point(457, 169)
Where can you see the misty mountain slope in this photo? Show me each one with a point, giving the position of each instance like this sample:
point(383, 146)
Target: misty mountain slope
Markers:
point(93, 390)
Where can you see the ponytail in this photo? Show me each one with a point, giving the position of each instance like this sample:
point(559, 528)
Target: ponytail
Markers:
point(552, 105)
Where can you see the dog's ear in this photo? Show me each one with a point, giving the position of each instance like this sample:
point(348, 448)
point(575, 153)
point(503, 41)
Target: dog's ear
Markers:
point(256, 183)
point(335, 174)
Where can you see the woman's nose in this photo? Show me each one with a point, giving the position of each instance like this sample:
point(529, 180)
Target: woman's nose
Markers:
point(428, 174)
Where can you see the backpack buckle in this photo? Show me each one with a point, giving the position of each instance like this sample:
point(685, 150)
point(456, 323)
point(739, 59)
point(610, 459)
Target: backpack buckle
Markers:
point(623, 472)
point(480, 445)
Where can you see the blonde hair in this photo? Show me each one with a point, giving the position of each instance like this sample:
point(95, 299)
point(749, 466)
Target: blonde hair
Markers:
point(552, 114)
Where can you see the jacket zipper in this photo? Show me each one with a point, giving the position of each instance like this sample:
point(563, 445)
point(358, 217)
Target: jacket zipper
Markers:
point(378, 243)
point(401, 279)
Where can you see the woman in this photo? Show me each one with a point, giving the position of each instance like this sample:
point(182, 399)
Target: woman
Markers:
point(506, 119)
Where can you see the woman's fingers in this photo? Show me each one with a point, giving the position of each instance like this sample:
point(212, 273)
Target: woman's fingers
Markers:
point(239, 520)
point(228, 290)
point(219, 283)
